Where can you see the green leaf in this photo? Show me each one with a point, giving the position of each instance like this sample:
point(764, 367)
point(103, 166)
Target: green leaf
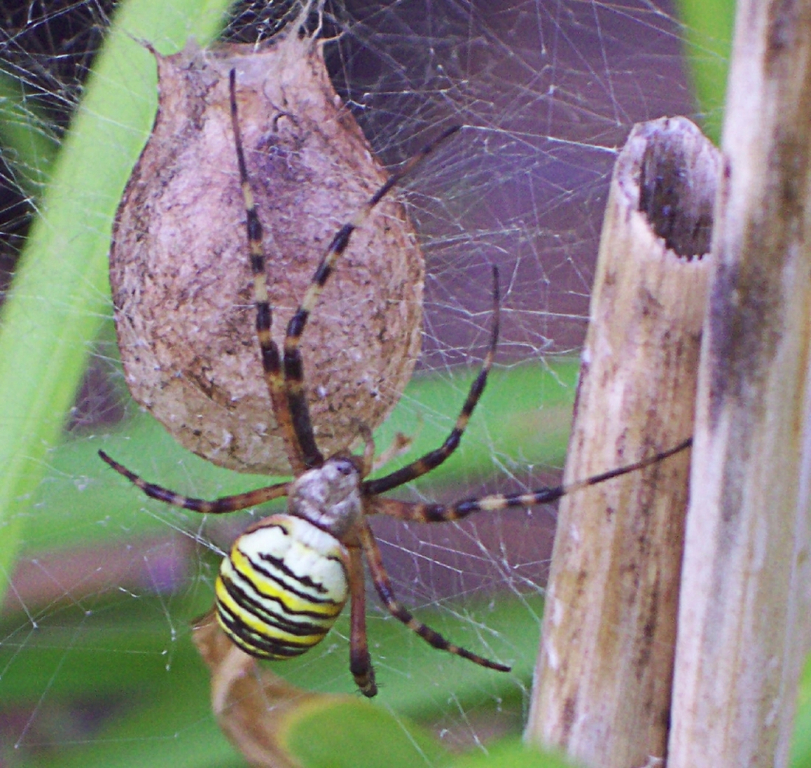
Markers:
point(707, 29)
point(27, 138)
point(801, 741)
point(60, 293)
point(511, 753)
point(357, 734)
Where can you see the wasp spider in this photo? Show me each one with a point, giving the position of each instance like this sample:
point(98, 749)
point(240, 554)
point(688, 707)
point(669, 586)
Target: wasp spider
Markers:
point(288, 576)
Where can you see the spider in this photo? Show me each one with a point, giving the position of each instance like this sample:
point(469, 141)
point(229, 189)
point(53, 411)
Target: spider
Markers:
point(288, 576)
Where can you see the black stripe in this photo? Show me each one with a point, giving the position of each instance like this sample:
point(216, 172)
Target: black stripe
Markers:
point(384, 190)
point(249, 631)
point(263, 316)
point(282, 622)
point(156, 492)
point(299, 413)
point(305, 580)
point(270, 359)
point(322, 273)
point(294, 372)
point(433, 638)
point(475, 392)
point(256, 645)
point(277, 563)
point(341, 239)
point(243, 598)
point(296, 326)
point(436, 513)
point(254, 227)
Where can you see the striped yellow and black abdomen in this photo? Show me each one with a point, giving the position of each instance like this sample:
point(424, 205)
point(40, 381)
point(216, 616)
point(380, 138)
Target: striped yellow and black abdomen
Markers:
point(282, 587)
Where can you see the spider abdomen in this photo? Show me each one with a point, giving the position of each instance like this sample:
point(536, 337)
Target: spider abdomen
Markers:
point(282, 587)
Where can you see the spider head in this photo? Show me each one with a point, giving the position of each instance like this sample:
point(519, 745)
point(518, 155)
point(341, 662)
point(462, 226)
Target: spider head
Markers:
point(329, 496)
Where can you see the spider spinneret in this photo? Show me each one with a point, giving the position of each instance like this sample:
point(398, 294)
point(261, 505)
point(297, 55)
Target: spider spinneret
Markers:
point(288, 576)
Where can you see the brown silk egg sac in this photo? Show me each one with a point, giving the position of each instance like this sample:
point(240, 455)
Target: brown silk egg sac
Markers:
point(179, 264)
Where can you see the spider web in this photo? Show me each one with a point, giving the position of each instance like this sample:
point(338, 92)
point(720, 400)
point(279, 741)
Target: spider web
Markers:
point(103, 591)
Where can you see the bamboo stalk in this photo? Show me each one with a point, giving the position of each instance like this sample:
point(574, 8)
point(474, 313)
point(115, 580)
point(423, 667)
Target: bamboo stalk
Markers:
point(743, 622)
point(602, 688)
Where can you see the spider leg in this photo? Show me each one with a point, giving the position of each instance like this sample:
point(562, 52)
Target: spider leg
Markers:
point(433, 459)
point(214, 507)
point(368, 447)
point(437, 513)
point(400, 444)
point(360, 663)
point(293, 364)
point(383, 586)
point(271, 361)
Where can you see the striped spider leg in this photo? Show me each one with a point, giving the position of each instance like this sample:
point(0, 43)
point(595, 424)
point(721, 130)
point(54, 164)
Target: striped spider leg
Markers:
point(286, 385)
point(288, 576)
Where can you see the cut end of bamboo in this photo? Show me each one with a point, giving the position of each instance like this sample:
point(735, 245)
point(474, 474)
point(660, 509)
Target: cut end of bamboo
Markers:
point(670, 171)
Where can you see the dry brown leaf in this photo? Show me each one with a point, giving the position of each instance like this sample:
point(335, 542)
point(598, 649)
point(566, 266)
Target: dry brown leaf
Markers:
point(252, 705)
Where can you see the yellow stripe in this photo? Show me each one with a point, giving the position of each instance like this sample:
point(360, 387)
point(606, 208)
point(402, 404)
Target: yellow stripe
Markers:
point(266, 587)
point(254, 649)
point(266, 610)
point(258, 626)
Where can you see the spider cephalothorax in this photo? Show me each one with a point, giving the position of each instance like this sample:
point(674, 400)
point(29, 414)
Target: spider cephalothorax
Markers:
point(288, 576)
point(329, 496)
